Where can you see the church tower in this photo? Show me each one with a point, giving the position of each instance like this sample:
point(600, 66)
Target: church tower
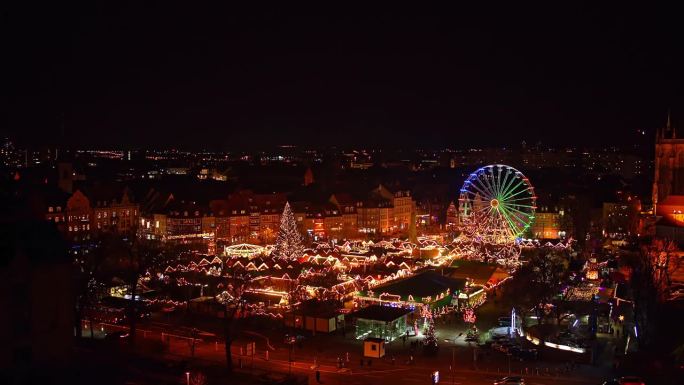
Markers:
point(669, 164)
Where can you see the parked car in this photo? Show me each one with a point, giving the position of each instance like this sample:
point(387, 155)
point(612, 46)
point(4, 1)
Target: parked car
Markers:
point(293, 339)
point(528, 354)
point(498, 347)
point(511, 380)
point(116, 336)
point(631, 380)
point(612, 382)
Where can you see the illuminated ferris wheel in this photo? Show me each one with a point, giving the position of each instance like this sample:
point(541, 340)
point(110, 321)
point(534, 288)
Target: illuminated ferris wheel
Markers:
point(496, 204)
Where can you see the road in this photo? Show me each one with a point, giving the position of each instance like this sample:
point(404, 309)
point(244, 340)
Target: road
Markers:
point(382, 371)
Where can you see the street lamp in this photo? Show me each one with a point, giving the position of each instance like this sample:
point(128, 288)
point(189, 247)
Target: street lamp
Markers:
point(453, 350)
point(453, 356)
point(187, 378)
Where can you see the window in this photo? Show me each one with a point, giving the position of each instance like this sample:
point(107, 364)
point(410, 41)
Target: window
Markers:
point(50, 209)
point(374, 347)
point(59, 209)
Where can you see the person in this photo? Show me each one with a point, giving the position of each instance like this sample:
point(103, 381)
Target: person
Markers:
point(318, 376)
point(347, 355)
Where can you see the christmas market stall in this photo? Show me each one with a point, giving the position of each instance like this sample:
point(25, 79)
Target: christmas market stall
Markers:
point(384, 322)
point(315, 316)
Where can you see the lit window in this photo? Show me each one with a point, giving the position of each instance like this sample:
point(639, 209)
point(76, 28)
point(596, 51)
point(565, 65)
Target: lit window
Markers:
point(50, 209)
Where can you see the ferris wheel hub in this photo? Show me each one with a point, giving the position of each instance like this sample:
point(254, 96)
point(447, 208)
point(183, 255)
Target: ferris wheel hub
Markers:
point(494, 203)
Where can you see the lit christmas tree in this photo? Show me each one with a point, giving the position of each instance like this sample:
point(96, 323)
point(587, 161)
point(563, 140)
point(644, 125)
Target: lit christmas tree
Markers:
point(430, 341)
point(469, 315)
point(289, 242)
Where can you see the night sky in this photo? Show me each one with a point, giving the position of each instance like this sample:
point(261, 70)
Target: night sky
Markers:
point(118, 75)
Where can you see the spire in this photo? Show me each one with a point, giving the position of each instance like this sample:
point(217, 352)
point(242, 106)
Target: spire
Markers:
point(668, 126)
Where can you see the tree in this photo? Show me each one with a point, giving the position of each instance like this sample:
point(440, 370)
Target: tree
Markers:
point(289, 241)
point(142, 254)
point(651, 276)
point(430, 341)
point(233, 309)
point(86, 277)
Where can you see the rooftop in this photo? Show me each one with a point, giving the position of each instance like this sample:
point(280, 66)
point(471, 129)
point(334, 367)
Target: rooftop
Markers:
point(381, 313)
point(429, 283)
point(475, 270)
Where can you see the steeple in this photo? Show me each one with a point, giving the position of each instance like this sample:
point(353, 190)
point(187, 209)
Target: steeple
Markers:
point(668, 119)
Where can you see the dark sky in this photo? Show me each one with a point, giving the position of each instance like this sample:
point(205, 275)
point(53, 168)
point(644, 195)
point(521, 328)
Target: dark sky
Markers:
point(127, 75)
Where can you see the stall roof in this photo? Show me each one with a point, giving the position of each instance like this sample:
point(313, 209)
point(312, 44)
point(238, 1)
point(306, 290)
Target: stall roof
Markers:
point(381, 313)
point(429, 283)
point(479, 272)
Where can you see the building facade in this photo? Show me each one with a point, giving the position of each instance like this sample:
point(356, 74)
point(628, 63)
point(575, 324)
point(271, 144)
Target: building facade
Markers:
point(668, 182)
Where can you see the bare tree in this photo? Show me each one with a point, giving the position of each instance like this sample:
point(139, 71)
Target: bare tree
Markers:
point(233, 309)
point(142, 254)
point(650, 279)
